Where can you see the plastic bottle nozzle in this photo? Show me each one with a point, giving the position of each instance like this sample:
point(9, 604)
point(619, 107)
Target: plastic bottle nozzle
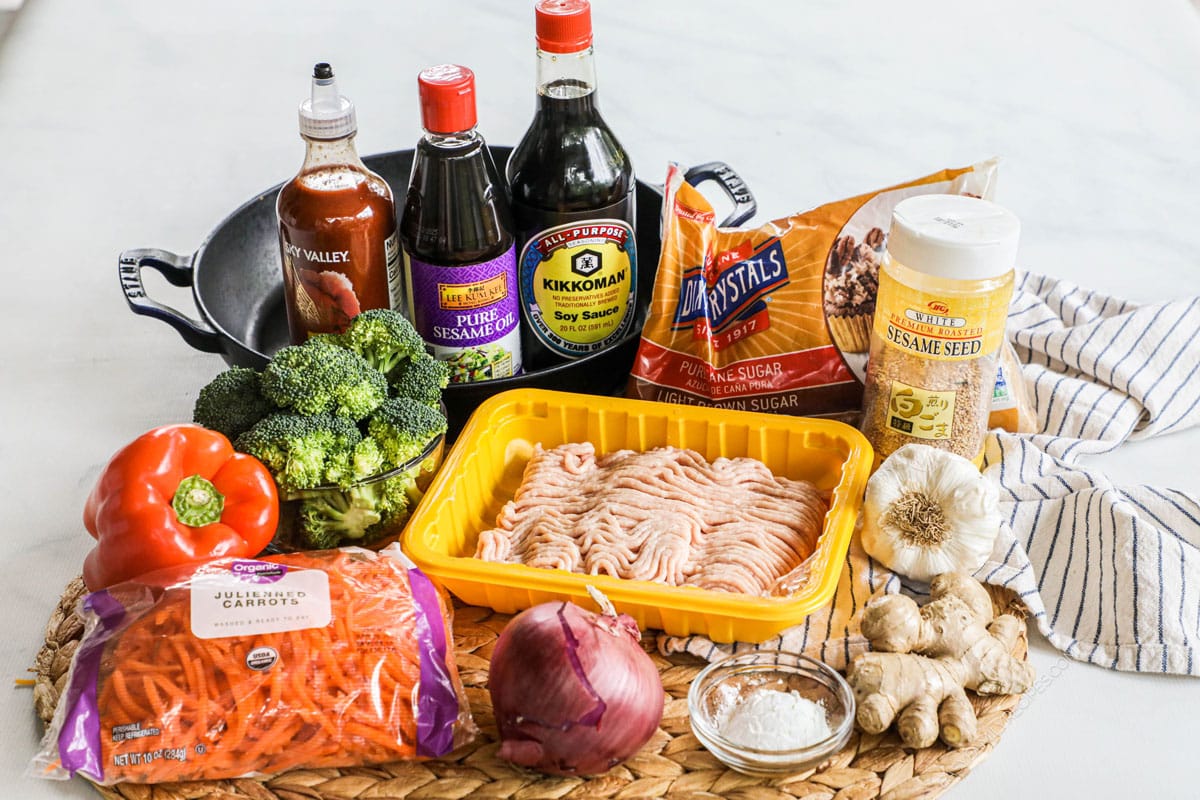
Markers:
point(326, 114)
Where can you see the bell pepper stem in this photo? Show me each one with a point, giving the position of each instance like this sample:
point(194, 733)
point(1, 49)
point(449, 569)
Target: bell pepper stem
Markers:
point(197, 502)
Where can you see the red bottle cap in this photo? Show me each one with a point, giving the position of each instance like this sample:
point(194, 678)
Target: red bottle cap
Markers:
point(447, 98)
point(563, 26)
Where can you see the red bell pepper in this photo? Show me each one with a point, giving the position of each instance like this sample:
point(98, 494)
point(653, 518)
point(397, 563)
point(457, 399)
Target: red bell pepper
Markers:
point(175, 494)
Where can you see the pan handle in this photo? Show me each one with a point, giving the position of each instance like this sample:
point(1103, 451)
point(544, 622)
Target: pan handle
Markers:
point(177, 270)
point(744, 204)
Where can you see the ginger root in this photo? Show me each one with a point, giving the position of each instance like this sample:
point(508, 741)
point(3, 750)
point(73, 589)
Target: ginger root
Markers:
point(925, 657)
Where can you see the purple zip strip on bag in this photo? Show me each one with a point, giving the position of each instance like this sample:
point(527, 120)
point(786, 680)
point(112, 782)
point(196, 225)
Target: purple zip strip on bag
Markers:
point(79, 739)
point(437, 704)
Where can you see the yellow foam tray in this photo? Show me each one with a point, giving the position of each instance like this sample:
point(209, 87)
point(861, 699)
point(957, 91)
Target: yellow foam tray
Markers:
point(485, 466)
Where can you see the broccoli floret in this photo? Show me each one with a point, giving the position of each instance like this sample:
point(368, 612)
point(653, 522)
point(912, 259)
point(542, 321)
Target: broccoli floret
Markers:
point(385, 338)
point(399, 496)
point(403, 427)
point(422, 379)
point(232, 402)
point(303, 451)
point(367, 459)
point(391, 495)
point(364, 513)
point(327, 519)
point(318, 377)
point(334, 339)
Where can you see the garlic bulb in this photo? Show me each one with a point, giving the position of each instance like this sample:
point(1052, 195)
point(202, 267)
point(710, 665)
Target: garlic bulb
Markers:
point(929, 511)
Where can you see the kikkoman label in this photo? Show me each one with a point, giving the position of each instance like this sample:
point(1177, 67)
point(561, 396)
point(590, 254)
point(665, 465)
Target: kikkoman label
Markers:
point(936, 326)
point(579, 285)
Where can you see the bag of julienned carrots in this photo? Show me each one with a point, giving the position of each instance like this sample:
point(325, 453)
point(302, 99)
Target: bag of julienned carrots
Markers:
point(252, 667)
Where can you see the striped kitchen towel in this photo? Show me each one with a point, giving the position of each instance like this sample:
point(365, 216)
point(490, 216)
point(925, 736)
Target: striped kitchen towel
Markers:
point(1110, 574)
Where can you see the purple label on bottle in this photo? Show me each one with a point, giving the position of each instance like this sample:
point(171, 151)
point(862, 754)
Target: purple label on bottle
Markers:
point(469, 315)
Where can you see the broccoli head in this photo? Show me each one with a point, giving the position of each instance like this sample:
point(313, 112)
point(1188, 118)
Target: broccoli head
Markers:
point(385, 338)
point(362, 514)
point(318, 377)
point(422, 379)
point(330, 517)
point(303, 452)
point(334, 339)
point(231, 403)
point(367, 459)
point(395, 498)
point(399, 496)
point(403, 427)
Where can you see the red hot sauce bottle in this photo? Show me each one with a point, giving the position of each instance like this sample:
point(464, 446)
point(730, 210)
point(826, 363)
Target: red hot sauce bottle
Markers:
point(337, 223)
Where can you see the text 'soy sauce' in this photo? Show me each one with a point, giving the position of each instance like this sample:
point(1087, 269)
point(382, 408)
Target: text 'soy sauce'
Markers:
point(337, 223)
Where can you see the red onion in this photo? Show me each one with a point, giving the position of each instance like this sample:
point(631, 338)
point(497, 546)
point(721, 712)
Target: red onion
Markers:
point(573, 691)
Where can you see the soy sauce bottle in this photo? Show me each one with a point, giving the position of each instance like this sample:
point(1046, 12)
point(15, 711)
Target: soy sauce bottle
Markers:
point(572, 188)
point(337, 223)
point(459, 251)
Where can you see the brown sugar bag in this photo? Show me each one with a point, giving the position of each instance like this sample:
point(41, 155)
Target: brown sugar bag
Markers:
point(776, 317)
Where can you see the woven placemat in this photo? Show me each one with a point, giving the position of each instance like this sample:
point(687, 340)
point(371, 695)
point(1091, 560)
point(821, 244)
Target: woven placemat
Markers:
point(672, 765)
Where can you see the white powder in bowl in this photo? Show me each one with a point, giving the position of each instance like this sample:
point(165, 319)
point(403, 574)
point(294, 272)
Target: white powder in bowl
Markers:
point(768, 719)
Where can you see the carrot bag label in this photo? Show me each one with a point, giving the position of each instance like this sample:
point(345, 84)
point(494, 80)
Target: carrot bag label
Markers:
point(241, 667)
point(774, 318)
point(252, 597)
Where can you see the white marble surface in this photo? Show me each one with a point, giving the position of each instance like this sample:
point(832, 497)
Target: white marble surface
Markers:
point(127, 124)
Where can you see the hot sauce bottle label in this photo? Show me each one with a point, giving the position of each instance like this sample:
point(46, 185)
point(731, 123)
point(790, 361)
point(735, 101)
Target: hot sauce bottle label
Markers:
point(579, 285)
point(469, 315)
point(323, 294)
point(1002, 393)
point(395, 271)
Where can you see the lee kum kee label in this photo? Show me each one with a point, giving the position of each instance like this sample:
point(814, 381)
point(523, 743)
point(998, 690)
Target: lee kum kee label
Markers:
point(469, 315)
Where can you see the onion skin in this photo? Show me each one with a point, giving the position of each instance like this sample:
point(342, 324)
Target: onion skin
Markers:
point(573, 691)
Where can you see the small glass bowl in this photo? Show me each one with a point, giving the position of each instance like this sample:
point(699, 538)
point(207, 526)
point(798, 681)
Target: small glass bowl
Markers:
point(723, 683)
point(422, 468)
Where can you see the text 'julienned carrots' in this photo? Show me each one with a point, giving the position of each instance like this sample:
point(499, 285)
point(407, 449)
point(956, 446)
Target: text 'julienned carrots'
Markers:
point(365, 676)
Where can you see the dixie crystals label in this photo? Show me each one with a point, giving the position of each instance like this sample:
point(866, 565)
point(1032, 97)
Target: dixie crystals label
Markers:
point(579, 285)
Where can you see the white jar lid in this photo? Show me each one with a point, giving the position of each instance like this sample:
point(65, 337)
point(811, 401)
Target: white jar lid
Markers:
point(954, 236)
